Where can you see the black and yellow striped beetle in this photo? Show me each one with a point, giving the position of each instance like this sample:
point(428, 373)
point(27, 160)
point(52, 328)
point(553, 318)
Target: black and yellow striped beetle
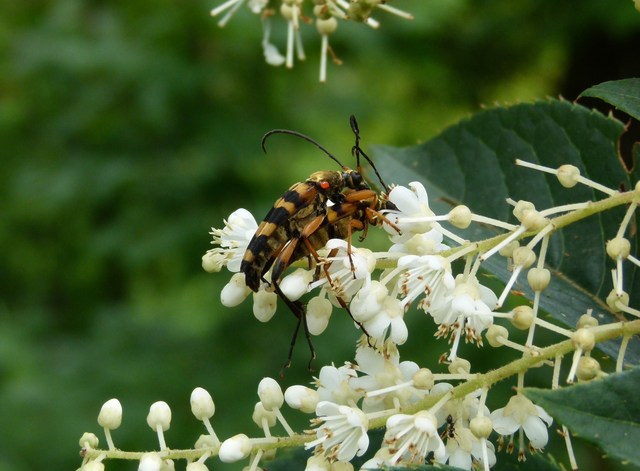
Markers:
point(327, 205)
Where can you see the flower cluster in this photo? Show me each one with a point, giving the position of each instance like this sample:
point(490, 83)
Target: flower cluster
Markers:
point(442, 413)
point(324, 13)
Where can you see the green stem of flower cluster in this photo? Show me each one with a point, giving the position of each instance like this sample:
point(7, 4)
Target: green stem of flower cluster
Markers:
point(484, 380)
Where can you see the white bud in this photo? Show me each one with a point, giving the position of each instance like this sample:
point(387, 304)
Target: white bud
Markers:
point(507, 250)
point(296, 284)
point(496, 335)
point(89, 440)
point(584, 339)
point(213, 262)
point(618, 248)
point(159, 415)
point(327, 26)
point(202, 405)
point(264, 305)
point(460, 216)
point(207, 441)
point(538, 278)
point(459, 366)
point(197, 466)
point(588, 368)
point(302, 398)
point(168, 465)
point(93, 466)
point(423, 379)
point(614, 298)
point(270, 394)
point(520, 208)
point(522, 317)
point(110, 416)
point(568, 175)
point(318, 314)
point(532, 220)
point(587, 320)
point(235, 448)
point(260, 414)
point(150, 462)
point(524, 257)
point(481, 427)
point(235, 291)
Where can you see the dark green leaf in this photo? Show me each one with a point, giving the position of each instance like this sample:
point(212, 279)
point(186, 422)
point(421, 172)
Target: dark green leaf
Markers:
point(473, 163)
point(612, 421)
point(623, 94)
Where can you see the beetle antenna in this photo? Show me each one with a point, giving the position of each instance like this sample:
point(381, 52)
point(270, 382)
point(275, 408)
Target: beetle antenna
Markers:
point(302, 136)
point(357, 151)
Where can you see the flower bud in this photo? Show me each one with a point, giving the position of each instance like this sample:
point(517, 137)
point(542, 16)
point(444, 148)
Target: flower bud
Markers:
point(460, 366)
point(568, 175)
point(496, 335)
point(584, 339)
point(270, 394)
point(296, 284)
point(520, 208)
point(89, 440)
point(423, 379)
point(260, 414)
point(538, 278)
point(235, 291)
point(197, 466)
point(235, 448)
point(522, 317)
point(481, 426)
point(524, 257)
point(207, 441)
point(614, 298)
point(460, 216)
point(159, 416)
point(264, 305)
point(618, 248)
point(93, 466)
point(588, 368)
point(110, 416)
point(213, 262)
point(587, 320)
point(532, 220)
point(302, 398)
point(318, 314)
point(507, 250)
point(150, 462)
point(202, 405)
point(327, 26)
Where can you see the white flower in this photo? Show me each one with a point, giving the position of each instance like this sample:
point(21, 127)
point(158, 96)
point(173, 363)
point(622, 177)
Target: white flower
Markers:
point(233, 240)
point(382, 370)
point(342, 433)
point(428, 275)
point(412, 213)
point(333, 385)
point(348, 269)
point(470, 306)
point(520, 414)
point(296, 284)
point(463, 448)
point(411, 437)
point(428, 243)
point(381, 315)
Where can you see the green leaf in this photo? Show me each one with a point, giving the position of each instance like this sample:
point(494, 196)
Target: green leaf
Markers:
point(473, 163)
point(623, 94)
point(604, 412)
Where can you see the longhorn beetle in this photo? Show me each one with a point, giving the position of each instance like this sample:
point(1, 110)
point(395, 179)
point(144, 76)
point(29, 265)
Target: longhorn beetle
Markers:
point(301, 221)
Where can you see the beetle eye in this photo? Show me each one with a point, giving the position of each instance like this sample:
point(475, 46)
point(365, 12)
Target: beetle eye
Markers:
point(325, 185)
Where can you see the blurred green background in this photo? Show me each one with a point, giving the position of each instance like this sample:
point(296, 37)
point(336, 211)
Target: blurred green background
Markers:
point(128, 129)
